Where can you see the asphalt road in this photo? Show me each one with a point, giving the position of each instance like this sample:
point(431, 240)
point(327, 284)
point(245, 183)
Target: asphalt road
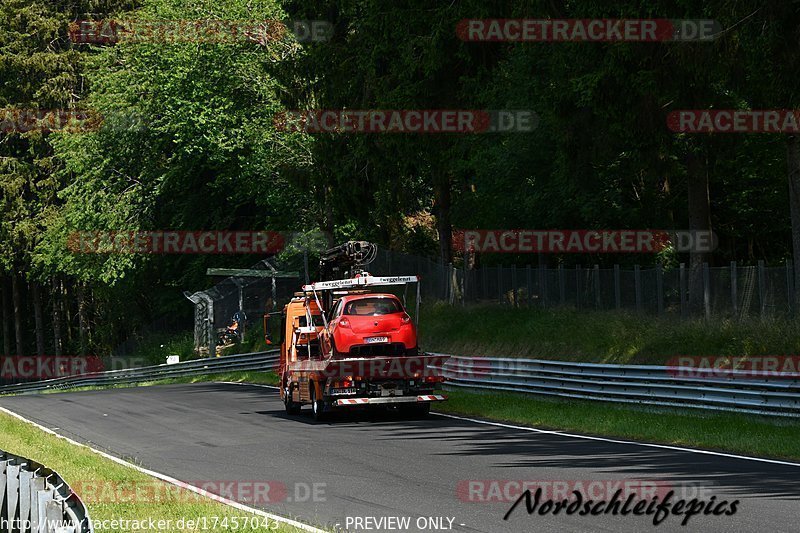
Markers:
point(384, 467)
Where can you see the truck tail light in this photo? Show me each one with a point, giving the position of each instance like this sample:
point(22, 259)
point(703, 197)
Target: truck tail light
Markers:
point(434, 379)
point(344, 323)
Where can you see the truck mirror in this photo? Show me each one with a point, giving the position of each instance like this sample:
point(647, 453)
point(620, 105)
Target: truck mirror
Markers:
point(267, 332)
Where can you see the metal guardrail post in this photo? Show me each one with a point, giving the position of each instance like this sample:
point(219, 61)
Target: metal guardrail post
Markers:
point(734, 289)
point(597, 287)
point(762, 288)
point(707, 291)
point(500, 294)
point(514, 285)
point(790, 302)
point(529, 284)
point(683, 289)
point(660, 288)
point(38, 499)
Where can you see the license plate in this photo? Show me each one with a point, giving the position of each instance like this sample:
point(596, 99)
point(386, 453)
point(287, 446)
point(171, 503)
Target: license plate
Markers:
point(376, 340)
point(336, 392)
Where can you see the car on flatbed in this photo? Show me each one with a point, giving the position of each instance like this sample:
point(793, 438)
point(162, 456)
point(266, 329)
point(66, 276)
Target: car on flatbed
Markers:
point(371, 324)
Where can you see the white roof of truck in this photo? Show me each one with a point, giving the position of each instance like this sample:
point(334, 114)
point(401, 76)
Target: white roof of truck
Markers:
point(360, 282)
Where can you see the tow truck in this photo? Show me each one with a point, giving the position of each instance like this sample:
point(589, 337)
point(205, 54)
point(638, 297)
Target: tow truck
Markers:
point(344, 345)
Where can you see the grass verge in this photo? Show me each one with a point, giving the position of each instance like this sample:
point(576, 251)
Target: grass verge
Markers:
point(121, 492)
point(597, 336)
point(728, 432)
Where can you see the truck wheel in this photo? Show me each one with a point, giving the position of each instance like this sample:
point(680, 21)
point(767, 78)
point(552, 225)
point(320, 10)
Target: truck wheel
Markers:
point(317, 406)
point(292, 407)
point(420, 410)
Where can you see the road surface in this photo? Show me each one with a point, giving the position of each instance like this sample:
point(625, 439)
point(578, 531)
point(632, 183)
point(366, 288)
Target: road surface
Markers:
point(358, 471)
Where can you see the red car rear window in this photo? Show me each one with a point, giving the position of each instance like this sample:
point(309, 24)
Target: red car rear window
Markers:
point(373, 307)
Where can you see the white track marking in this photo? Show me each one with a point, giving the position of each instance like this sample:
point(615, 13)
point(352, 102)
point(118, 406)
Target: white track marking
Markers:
point(615, 441)
point(171, 480)
point(585, 437)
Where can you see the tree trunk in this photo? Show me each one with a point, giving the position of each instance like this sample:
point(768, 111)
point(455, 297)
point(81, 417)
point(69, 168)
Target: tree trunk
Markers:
point(37, 317)
point(66, 311)
point(699, 221)
point(83, 321)
point(328, 225)
point(6, 317)
point(793, 164)
point(441, 210)
point(16, 294)
point(58, 342)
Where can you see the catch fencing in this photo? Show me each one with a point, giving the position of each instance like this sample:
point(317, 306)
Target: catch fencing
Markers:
point(248, 293)
point(734, 291)
point(35, 499)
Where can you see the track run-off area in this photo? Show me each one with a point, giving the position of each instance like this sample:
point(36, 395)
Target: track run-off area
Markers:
point(362, 472)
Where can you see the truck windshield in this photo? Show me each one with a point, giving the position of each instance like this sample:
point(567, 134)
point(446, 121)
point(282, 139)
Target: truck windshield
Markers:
point(373, 307)
point(317, 321)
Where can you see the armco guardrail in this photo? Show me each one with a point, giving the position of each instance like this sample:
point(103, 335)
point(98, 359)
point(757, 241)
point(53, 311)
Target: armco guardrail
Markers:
point(637, 384)
point(34, 499)
point(248, 361)
point(649, 385)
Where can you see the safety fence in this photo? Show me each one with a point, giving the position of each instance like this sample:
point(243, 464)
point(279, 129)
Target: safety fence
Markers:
point(730, 390)
point(34, 499)
point(258, 361)
point(734, 291)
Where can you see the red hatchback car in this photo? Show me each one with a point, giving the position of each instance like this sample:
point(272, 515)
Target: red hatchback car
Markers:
point(372, 324)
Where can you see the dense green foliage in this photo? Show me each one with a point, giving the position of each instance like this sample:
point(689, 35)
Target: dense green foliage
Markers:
point(189, 141)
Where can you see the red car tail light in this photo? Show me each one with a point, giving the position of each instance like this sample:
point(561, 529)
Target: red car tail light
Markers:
point(344, 323)
point(406, 319)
